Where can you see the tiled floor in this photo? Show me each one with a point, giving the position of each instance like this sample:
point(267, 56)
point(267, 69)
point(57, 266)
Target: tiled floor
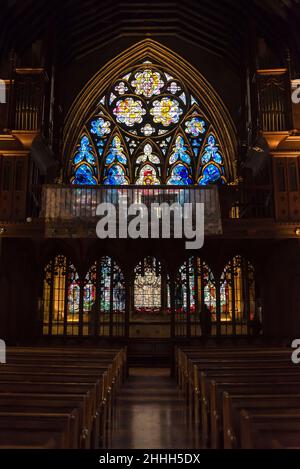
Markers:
point(151, 414)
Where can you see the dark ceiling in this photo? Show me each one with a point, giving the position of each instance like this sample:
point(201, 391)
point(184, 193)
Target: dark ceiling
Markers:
point(223, 27)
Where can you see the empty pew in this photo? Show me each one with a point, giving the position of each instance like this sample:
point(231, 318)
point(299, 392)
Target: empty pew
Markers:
point(66, 393)
point(258, 431)
point(208, 376)
point(233, 404)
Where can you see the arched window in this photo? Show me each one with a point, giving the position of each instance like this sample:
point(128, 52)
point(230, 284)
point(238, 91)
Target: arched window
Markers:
point(237, 297)
point(116, 164)
point(195, 299)
point(104, 300)
point(148, 287)
point(94, 306)
point(61, 298)
point(148, 129)
point(151, 316)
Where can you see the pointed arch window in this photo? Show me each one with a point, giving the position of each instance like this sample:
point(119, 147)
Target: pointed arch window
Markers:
point(85, 164)
point(212, 164)
point(116, 164)
point(148, 168)
point(206, 305)
point(148, 108)
point(61, 298)
point(237, 297)
point(148, 287)
point(93, 306)
point(180, 164)
point(195, 299)
point(104, 300)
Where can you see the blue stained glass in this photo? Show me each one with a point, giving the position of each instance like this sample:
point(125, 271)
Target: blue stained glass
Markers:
point(180, 176)
point(100, 146)
point(116, 152)
point(122, 159)
point(212, 152)
point(85, 152)
point(211, 174)
point(180, 152)
point(110, 158)
point(115, 176)
point(84, 176)
point(195, 127)
point(191, 144)
point(217, 158)
point(100, 127)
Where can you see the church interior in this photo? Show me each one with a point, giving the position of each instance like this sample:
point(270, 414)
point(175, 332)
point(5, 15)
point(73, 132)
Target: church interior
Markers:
point(116, 343)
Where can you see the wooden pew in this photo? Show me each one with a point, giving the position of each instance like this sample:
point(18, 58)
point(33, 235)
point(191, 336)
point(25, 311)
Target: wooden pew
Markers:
point(258, 431)
point(244, 385)
point(84, 382)
point(231, 373)
point(28, 422)
point(233, 404)
point(205, 375)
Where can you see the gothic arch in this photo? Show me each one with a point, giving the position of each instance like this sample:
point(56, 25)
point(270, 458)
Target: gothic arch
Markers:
point(213, 110)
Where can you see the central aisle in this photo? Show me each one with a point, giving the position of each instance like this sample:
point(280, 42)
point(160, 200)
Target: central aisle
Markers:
point(151, 414)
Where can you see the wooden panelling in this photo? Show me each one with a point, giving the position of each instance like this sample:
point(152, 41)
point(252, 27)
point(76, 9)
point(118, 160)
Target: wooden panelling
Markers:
point(287, 188)
point(13, 187)
point(294, 193)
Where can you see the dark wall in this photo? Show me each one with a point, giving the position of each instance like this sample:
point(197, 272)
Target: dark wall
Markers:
point(281, 274)
point(72, 78)
point(18, 291)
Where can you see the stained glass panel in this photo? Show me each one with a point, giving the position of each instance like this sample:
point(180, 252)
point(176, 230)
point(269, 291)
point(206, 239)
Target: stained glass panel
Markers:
point(180, 176)
point(180, 152)
point(129, 112)
point(195, 127)
point(237, 296)
point(100, 127)
point(212, 163)
point(148, 83)
point(85, 163)
point(148, 106)
point(166, 111)
point(115, 176)
point(84, 176)
point(61, 298)
point(148, 287)
point(195, 299)
point(147, 176)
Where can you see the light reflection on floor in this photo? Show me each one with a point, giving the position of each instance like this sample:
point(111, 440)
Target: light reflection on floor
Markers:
point(151, 414)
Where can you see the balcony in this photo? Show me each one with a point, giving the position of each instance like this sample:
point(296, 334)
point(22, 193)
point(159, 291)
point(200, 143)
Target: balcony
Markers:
point(65, 211)
point(71, 210)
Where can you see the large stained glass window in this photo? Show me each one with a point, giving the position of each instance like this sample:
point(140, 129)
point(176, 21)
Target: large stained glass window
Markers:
point(209, 306)
point(93, 306)
point(148, 129)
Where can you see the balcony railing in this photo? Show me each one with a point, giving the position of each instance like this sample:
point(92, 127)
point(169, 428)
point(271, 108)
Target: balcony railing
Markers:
point(78, 204)
point(68, 203)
